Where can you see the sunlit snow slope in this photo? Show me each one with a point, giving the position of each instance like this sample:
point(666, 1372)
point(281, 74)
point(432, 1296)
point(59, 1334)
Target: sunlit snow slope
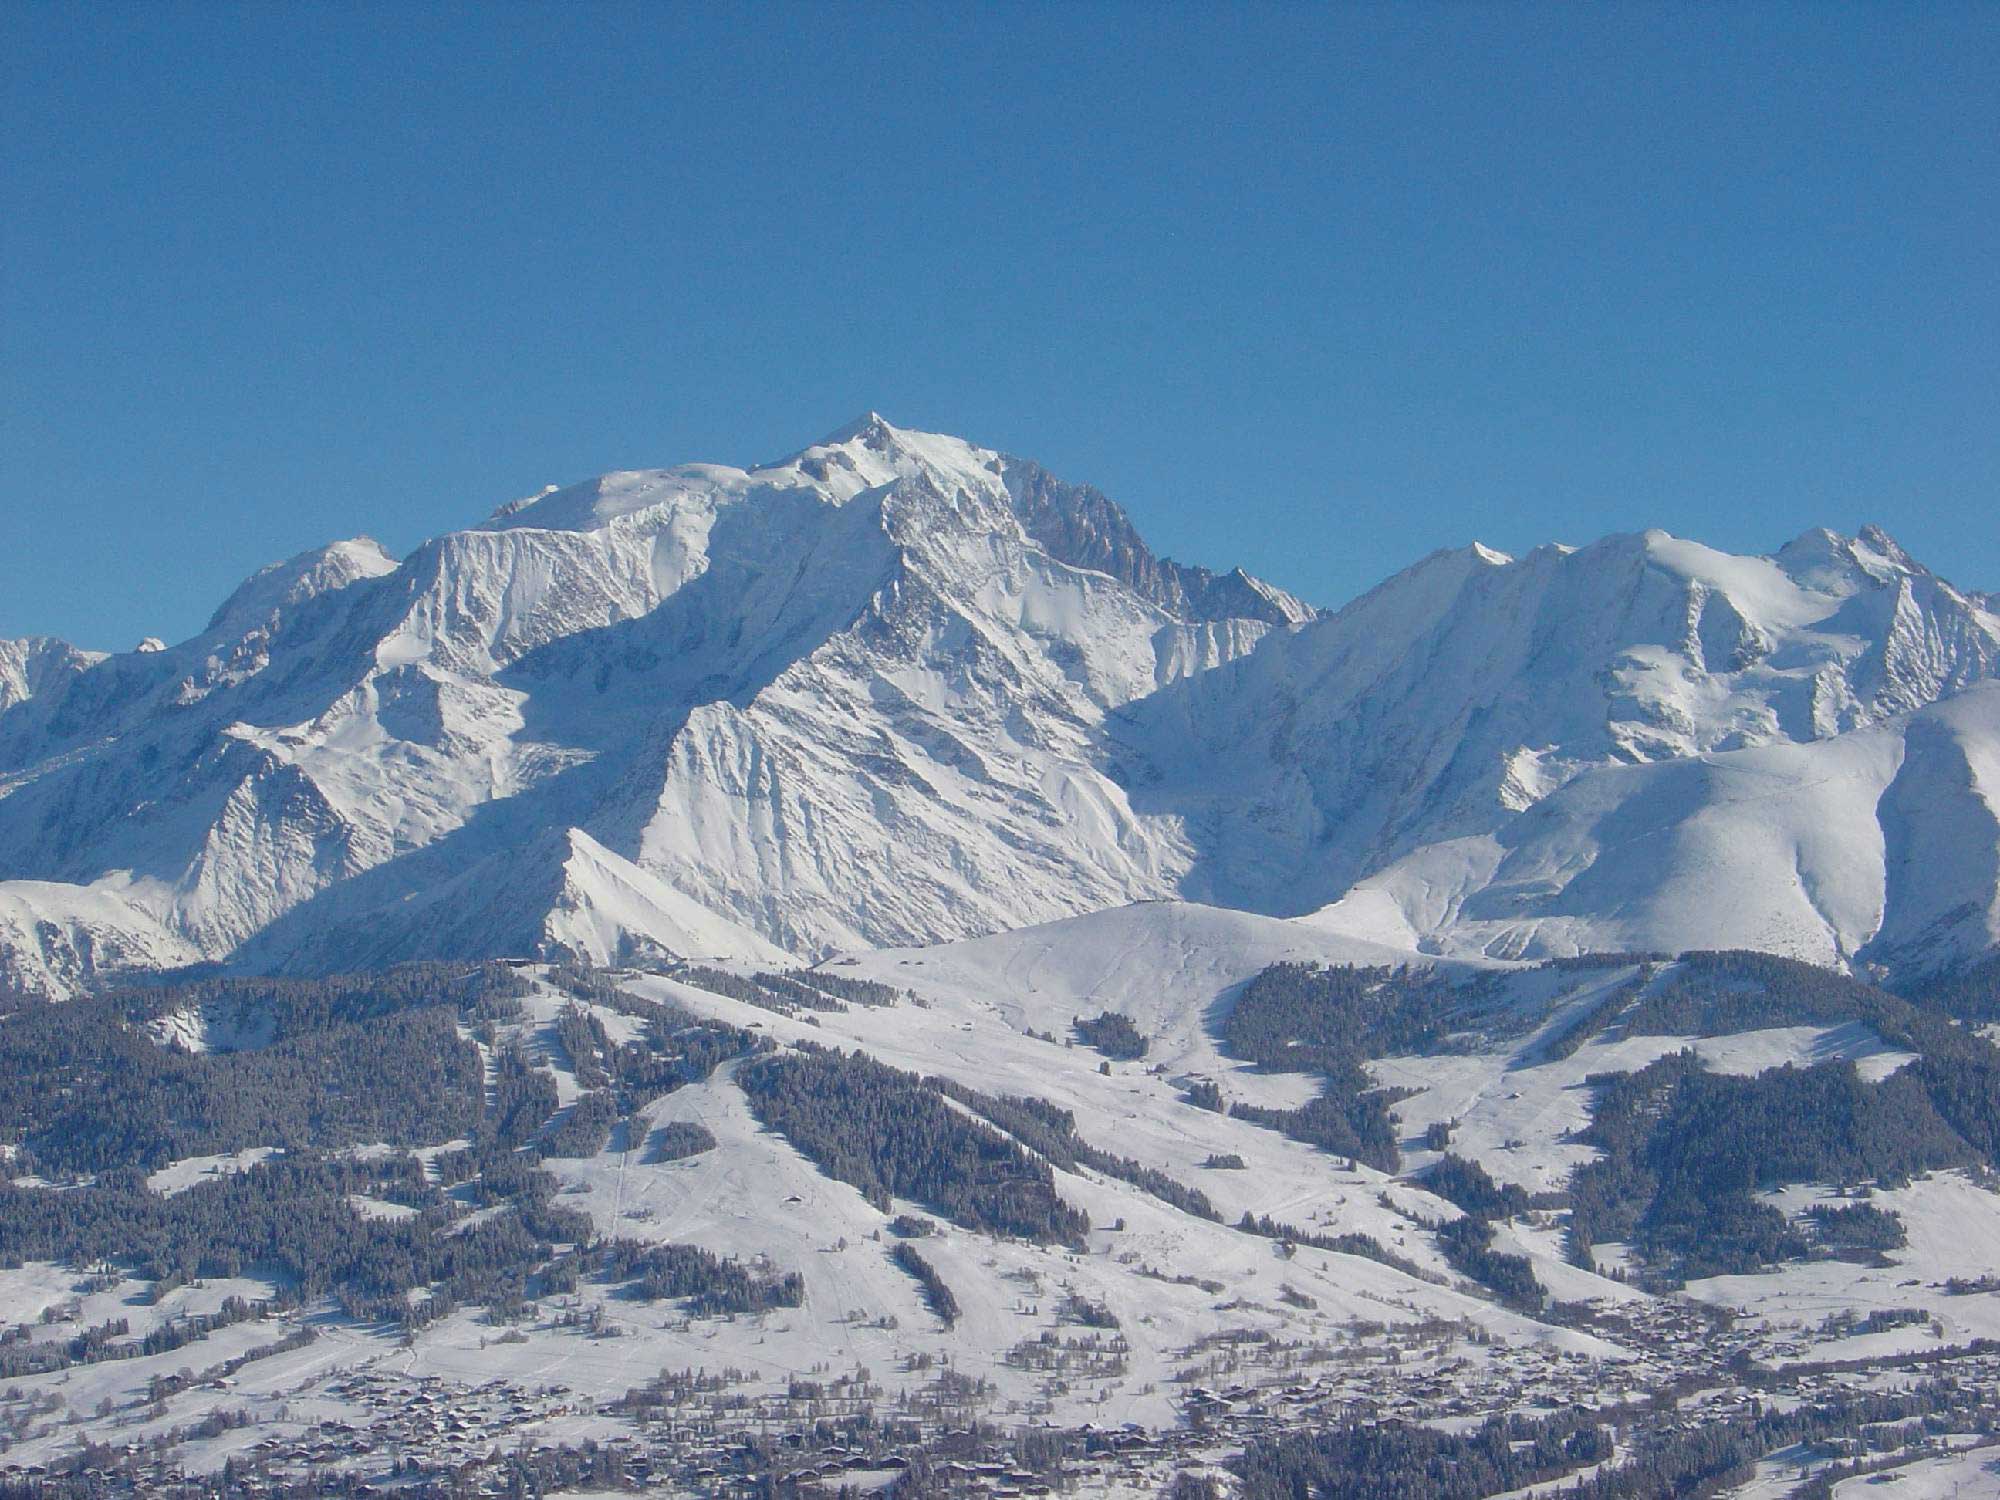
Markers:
point(898, 689)
point(851, 698)
point(1638, 744)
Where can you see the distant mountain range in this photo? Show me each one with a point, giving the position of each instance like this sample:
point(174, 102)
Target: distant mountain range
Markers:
point(898, 690)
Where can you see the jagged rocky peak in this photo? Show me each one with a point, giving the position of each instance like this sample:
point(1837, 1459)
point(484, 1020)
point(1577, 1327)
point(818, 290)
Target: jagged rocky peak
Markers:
point(871, 453)
point(841, 697)
point(1075, 524)
point(1084, 527)
point(871, 429)
point(1721, 611)
point(31, 664)
point(865, 455)
point(1468, 689)
point(1826, 560)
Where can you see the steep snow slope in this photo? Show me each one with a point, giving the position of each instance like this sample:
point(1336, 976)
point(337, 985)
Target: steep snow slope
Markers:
point(56, 939)
point(38, 664)
point(1166, 964)
point(1880, 846)
point(848, 698)
point(1473, 686)
point(897, 689)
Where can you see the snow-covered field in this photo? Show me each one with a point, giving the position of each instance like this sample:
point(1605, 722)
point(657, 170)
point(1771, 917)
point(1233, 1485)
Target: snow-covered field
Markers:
point(1193, 1301)
point(1953, 1226)
point(1188, 1305)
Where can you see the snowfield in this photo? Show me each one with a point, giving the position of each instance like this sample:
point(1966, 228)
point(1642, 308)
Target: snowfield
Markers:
point(1185, 1306)
point(898, 689)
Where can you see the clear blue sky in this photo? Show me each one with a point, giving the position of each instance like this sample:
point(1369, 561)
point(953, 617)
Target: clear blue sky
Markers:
point(1310, 289)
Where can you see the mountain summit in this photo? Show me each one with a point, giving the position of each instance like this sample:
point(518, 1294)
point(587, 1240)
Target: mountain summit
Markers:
point(896, 688)
point(855, 696)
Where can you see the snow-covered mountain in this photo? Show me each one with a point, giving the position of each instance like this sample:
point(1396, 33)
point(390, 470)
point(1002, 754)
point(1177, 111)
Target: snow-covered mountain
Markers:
point(850, 698)
point(37, 664)
point(897, 689)
point(1875, 847)
point(1643, 743)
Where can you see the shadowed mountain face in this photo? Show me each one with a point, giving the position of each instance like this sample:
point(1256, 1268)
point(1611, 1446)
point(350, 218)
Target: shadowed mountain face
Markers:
point(898, 689)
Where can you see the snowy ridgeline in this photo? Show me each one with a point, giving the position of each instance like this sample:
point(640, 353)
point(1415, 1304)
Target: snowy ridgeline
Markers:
point(900, 689)
point(1217, 1175)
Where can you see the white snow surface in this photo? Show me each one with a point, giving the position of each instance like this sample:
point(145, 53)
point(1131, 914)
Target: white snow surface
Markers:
point(995, 1013)
point(1877, 845)
point(839, 700)
point(899, 689)
point(1446, 710)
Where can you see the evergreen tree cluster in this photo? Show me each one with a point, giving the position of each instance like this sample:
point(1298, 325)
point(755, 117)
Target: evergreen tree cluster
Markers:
point(937, 1296)
point(1205, 1093)
point(1301, 1018)
point(1307, 1018)
point(585, 1128)
point(1402, 1461)
point(1718, 994)
point(711, 1285)
point(792, 991)
point(1113, 1034)
point(1471, 1188)
point(846, 987)
point(109, 1340)
point(1352, 1243)
point(352, 1061)
point(1349, 1117)
point(893, 1135)
point(1685, 1150)
point(1467, 1244)
point(1856, 1230)
point(619, 1080)
point(676, 1140)
point(522, 1096)
point(293, 1219)
point(1050, 1130)
point(1971, 993)
point(357, 1060)
point(1398, 1461)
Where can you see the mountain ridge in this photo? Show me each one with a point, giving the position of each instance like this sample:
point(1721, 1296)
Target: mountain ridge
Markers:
point(896, 689)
